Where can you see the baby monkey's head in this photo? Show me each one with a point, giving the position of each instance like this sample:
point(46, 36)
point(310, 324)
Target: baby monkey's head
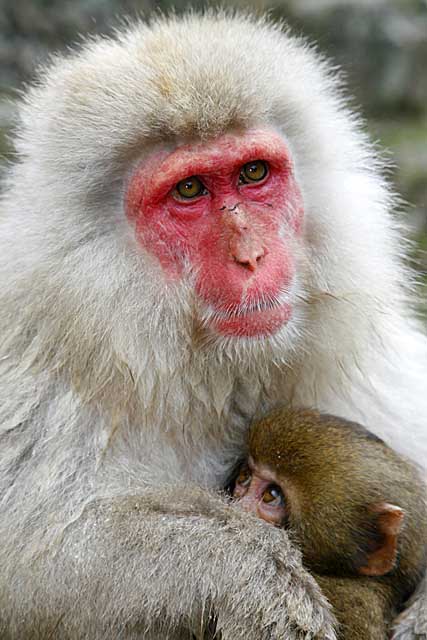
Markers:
point(353, 505)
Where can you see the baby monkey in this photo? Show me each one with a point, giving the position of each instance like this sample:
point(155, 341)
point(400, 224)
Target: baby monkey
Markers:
point(356, 509)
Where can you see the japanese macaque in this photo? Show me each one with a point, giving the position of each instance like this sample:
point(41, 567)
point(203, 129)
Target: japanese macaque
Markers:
point(195, 229)
point(353, 506)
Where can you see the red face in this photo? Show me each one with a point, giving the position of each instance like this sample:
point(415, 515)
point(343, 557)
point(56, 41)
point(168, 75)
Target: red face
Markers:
point(226, 208)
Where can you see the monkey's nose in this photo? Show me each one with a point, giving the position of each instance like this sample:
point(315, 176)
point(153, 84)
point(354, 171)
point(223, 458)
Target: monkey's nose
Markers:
point(247, 251)
point(246, 246)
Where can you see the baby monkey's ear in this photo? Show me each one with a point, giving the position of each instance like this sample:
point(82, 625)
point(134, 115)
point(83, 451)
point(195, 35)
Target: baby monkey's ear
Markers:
point(381, 559)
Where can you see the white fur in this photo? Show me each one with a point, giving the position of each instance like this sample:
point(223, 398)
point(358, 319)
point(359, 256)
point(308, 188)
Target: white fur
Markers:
point(106, 381)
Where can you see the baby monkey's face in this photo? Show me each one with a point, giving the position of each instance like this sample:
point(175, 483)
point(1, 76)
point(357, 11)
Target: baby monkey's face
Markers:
point(259, 490)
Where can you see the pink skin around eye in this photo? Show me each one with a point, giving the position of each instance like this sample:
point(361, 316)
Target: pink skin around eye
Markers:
point(231, 235)
point(249, 494)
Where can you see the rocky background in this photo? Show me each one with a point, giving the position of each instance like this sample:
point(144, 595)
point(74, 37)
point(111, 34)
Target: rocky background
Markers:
point(380, 44)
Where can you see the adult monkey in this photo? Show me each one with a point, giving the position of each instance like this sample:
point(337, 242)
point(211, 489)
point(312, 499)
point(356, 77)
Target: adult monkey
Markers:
point(195, 230)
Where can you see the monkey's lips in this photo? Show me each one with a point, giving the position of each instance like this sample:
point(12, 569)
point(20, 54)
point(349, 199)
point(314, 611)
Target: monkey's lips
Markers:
point(252, 323)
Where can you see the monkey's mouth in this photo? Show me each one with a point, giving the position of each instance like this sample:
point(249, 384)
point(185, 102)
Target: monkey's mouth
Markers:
point(257, 319)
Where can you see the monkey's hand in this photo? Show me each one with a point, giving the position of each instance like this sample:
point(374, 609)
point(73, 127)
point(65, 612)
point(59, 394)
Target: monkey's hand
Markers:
point(412, 623)
point(174, 559)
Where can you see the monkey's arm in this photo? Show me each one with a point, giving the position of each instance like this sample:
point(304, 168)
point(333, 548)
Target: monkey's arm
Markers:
point(361, 606)
point(129, 560)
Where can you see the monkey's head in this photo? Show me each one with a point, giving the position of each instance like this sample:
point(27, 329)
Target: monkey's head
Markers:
point(193, 182)
point(226, 213)
point(353, 504)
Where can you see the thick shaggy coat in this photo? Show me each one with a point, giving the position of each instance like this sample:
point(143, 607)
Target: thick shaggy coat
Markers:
point(109, 389)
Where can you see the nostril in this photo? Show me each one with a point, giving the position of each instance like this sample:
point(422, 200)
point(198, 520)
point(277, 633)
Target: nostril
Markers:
point(243, 263)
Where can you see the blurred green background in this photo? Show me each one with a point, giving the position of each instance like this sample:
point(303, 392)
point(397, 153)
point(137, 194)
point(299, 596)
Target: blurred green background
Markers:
point(380, 44)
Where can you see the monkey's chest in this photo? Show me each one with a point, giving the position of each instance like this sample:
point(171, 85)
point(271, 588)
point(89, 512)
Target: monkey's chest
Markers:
point(205, 447)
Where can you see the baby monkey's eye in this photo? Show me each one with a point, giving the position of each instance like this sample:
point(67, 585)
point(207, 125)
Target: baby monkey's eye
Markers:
point(244, 477)
point(254, 171)
point(191, 187)
point(273, 496)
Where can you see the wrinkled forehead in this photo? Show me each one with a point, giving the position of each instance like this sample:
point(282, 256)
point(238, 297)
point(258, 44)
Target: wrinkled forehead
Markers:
point(225, 151)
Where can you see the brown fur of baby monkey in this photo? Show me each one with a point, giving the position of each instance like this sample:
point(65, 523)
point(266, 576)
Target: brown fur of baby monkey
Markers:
point(356, 509)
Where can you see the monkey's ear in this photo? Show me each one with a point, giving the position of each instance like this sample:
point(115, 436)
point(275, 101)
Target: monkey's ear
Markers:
point(382, 558)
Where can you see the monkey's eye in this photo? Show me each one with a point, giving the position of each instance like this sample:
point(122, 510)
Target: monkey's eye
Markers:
point(253, 172)
point(273, 496)
point(244, 477)
point(189, 188)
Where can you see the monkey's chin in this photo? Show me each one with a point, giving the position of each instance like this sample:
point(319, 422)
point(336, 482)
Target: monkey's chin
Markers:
point(253, 324)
